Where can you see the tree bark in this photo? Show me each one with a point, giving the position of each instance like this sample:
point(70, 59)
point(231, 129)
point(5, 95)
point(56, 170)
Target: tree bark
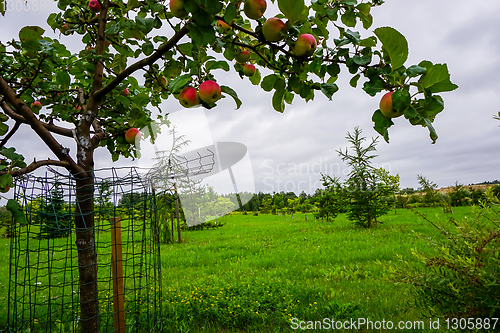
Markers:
point(87, 256)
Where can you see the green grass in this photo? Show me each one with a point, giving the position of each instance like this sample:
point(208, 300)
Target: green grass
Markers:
point(257, 272)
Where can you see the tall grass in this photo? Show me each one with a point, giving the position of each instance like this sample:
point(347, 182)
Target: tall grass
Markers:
point(258, 272)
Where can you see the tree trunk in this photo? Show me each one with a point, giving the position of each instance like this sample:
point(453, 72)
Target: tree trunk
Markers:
point(87, 256)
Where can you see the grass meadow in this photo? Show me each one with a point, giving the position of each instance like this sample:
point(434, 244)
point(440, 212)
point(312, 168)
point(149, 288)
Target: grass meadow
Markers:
point(257, 273)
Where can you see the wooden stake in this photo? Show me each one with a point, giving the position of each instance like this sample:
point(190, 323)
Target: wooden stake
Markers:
point(117, 262)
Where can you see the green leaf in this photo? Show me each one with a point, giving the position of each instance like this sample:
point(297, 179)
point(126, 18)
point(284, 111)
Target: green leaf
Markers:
point(373, 87)
point(349, 18)
point(269, 81)
point(436, 73)
point(394, 44)
point(329, 89)
point(3, 128)
point(279, 100)
point(6, 180)
point(131, 4)
point(364, 8)
point(179, 82)
point(137, 118)
point(292, 9)
point(232, 93)
point(415, 70)
point(30, 33)
point(411, 113)
point(112, 29)
point(63, 79)
point(432, 131)
point(401, 100)
point(202, 35)
point(354, 81)
point(350, 2)
point(382, 124)
point(368, 42)
point(141, 100)
point(16, 210)
point(443, 86)
point(148, 48)
point(17, 160)
point(231, 11)
point(255, 79)
point(3, 7)
point(364, 60)
point(279, 95)
point(212, 64)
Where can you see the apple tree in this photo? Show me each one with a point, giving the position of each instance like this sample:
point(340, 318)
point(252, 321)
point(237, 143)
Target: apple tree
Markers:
point(134, 54)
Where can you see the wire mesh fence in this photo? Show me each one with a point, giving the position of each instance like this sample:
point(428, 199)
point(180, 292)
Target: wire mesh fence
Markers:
point(44, 284)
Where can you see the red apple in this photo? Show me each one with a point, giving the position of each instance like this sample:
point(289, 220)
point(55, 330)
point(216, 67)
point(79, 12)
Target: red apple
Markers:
point(189, 97)
point(94, 6)
point(132, 134)
point(125, 92)
point(248, 69)
point(177, 8)
point(274, 29)
point(209, 92)
point(36, 106)
point(305, 45)
point(386, 106)
point(89, 48)
point(254, 9)
point(243, 56)
point(224, 26)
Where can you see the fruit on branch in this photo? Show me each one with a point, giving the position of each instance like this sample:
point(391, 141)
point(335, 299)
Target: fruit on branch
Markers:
point(209, 92)
point(305, 45)
point(254, 9)
point(386, 106)
point(243, 56)
point(189, 97)
point(177, 8)
point(274, 29)
point(125, 92)
point(248, 69)
point(132, 134)
point(224, 26)
point(5, 189)
point(94, 6)
point(163, 82)
point(36, 106)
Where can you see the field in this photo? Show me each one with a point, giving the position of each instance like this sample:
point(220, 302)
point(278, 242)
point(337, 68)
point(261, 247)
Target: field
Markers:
point(257, 273)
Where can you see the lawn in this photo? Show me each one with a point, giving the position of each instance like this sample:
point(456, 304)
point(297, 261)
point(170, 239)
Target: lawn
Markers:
point(258, 273)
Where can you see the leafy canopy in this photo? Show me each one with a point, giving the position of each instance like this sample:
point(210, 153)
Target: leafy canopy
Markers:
point(140, 46)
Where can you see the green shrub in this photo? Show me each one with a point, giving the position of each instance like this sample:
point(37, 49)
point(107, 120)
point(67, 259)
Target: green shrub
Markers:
point(460, 275)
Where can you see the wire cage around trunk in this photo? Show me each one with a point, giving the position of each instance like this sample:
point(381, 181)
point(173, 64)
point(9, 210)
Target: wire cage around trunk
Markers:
point(45, 289)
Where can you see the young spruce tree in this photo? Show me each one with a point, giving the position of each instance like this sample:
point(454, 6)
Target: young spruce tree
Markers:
point(367, 188)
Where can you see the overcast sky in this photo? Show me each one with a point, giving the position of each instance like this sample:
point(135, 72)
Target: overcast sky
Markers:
point(288, 151)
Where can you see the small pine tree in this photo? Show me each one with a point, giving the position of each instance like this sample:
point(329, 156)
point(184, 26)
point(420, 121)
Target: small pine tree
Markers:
point(55, 219)
point(366, 188)
point(331, 199)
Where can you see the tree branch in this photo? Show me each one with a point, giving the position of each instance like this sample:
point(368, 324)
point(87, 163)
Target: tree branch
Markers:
point(61, 152)
point(18, 118)
point(35, 165)
point(142, 63)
